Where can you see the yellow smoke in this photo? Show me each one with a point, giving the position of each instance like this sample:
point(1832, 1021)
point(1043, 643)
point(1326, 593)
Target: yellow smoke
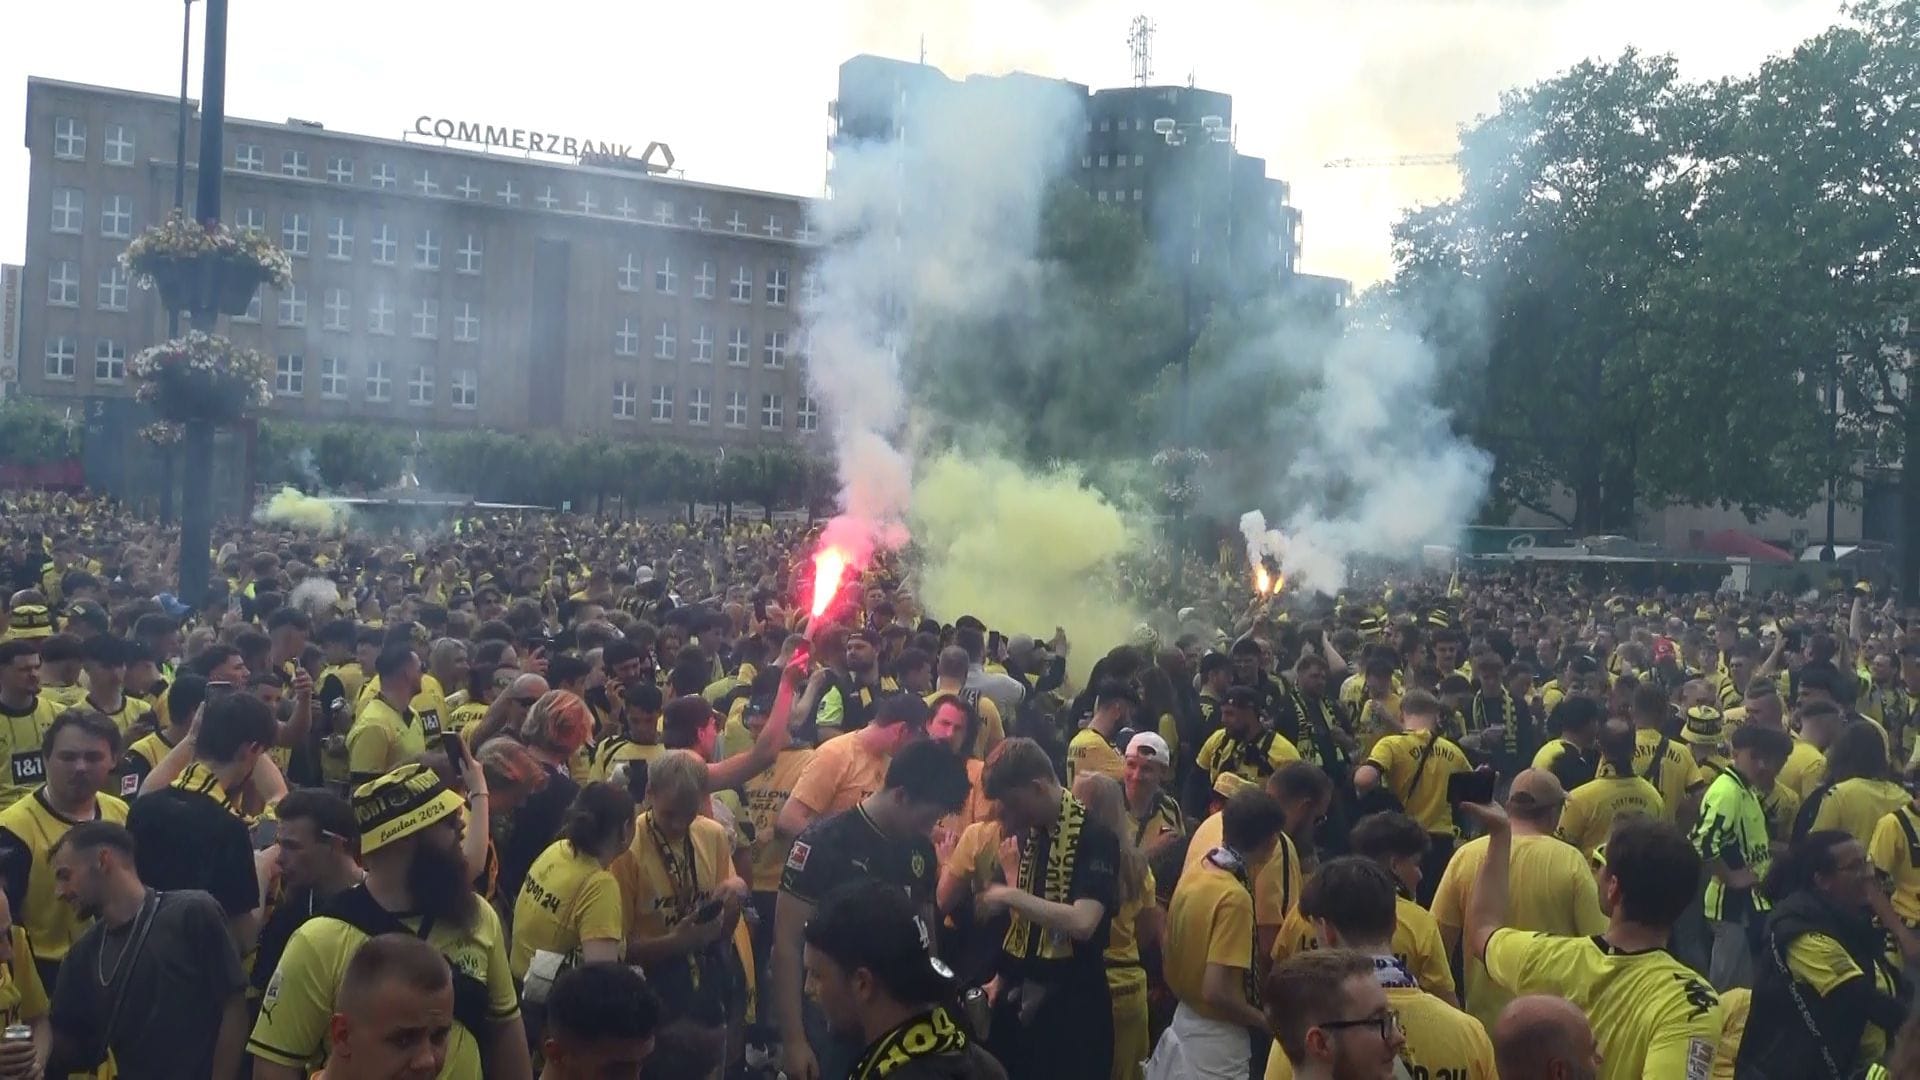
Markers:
point(1024, 552)
point(290, 507)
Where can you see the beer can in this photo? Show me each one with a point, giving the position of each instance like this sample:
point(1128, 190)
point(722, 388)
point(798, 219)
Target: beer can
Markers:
point(17, 1033)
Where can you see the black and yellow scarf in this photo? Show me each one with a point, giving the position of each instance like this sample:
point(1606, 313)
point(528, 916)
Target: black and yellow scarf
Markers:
point(1024, 939)
point(930, 1034)
point(1229, 860)
point(200, 780)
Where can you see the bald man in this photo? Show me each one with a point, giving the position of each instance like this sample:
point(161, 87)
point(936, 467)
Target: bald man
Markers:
point(1540, 1037)
point(394, 1013)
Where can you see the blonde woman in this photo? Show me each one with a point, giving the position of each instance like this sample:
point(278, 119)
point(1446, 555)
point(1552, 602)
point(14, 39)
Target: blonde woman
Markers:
point(1136, 924)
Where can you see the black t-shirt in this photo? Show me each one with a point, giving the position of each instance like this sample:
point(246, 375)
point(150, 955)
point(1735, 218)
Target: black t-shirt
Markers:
point(1095, 876)
point(529, 830)
point(848, 847)
point(187, 840)
point(177, 983)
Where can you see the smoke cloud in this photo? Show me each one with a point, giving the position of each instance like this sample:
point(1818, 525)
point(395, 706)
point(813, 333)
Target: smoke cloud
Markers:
point(292, 507)
point(939, 221)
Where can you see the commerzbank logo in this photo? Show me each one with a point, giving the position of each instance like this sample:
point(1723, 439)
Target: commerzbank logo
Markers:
point(657, 157)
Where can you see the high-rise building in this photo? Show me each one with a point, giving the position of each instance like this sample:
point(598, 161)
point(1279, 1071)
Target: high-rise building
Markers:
point(434, 285)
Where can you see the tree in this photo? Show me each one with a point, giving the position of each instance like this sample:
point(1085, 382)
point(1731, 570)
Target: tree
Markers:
point(33, 434)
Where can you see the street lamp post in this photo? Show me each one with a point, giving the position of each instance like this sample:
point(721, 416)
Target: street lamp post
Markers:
point(1208, 131)
point(179, 202)
point(196, 513)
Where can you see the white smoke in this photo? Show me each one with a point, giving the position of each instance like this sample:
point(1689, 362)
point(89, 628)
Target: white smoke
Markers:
point(1373, 467)
point(317, 596)
point(940, 220)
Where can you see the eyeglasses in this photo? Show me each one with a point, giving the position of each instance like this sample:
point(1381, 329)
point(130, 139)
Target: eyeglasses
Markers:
point(1388, 1024)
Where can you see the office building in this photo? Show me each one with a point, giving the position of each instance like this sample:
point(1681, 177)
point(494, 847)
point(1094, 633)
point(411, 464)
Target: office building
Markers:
point(434, 285)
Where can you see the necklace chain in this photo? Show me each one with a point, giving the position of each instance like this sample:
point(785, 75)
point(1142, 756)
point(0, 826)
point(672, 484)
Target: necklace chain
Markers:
point(148, 905)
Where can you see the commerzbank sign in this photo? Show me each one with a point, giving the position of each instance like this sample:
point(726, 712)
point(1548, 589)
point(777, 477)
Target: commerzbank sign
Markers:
point(657, 157)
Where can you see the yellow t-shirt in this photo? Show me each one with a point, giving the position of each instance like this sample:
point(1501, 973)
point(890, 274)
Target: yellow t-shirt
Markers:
point(993, 728)
point(1090, 752)
point(1123, 945)
point(1892, 857)
point(51, 924)
point(1416, 944)
point(764, 795)
point(1653, 1015)
point(1676, 769)
point(1442, 1041)
point(840, 774)
point(131, 711)
point(20, 738)
point(1276, 882)
point(1550, 890)
point(297, 1006)
point(23, 997)
point(568, 898)
point(1806, 769)
point(1856, 806)
point(615, 749)
point(63, 698)
point(975, 855)
point(1222, 752)
point(1398, 759)
point(466, 715)
point(1591, 809)
point(1735, 1004)
point(1210, 921)
point(657, 896)
point(1822, 963)
point(382, 740)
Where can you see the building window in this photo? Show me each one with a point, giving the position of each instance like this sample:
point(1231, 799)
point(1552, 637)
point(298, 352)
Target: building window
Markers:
point(509, 194)
point(293, 306)
point(629, 274)
point(386, 245)
point(69, 210)
point(805, 235)
point(336, 310)
point(803, 349)
point(770, 412)
point(466, 325)
point(807, 416)
point(294, 162)
point(1136, 194)
point(116, 217)
point(626, 209)
point(63, 285)
point(466, 389)
point(1104, 124)
point(420, 387)
point(340, 170)
point(1086, 161)
point(626, 340)
point(1103, 196)
point(333, 378)
point(119, 144)
point(468, 190)
point(469, 252)
point(703, 282)
point(699, 409)
point(339, 239)
point(809, 286)
point(742, 291)
point(587, 205)
point(662, 405)
point(109, 361)
point(380, 315)
point(290, 374)
point(665, 343)
point(547, 199)
point(663, 212)
point(113, 288)
point(664, 279)
point(1138, 160)
point(700, 220)
point(1103, 161)
point(250, 219)
point(426, 318)
point(293, 233)
point(737, 408)
point(248, 157)
point(774, 353)
point(777, 286)
point(252, 314)
point(736, 223)
point(624, 399)
point(772, 227)
point(60, 358)
point(384, 177)
point(379, 384)
point(425, 185)
point(69, 141)
point(737, 346)
point(703, 345)
point(426, 251)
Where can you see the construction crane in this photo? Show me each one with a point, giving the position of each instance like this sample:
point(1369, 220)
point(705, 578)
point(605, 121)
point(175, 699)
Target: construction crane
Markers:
point(1404, 161)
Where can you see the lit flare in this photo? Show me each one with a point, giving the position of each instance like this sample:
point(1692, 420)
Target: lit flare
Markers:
point(829, 566)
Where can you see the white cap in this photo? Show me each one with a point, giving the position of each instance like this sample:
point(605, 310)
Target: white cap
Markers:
point(1149, 747)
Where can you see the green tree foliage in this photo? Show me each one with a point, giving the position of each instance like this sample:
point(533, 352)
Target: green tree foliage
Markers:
point(35, 434)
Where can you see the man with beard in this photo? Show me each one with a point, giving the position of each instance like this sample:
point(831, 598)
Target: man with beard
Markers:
point(869, 958)
point(417, 883)
point(158, 981)
point(1062, 871)
point(1322, 730)
point(853, 682)
point(314, 860)
point(1250, 672)
point(1243, 745)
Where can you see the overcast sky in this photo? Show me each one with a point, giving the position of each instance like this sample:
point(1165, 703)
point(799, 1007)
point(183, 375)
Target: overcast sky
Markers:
point(739, 90)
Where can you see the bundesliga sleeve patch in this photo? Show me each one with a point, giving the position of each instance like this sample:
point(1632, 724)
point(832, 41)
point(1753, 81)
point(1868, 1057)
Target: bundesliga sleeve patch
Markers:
point(129, 786)
point(1699, 1059)
point(797, 858)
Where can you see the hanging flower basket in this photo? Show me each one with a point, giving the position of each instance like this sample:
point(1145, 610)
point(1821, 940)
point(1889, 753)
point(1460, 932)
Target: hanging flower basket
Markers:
point(201, 268)
point(162, 433)
point(201, 378)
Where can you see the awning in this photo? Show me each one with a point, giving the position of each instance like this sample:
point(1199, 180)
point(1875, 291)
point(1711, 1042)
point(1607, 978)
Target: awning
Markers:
point(1736, 544)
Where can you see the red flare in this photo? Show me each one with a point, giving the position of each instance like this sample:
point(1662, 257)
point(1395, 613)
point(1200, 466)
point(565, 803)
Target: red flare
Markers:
point(829, 566)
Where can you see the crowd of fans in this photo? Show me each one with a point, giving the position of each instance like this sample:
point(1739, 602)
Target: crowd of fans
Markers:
point(559, 797)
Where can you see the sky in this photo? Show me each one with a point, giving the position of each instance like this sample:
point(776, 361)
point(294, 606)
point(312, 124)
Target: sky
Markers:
point(740, 90)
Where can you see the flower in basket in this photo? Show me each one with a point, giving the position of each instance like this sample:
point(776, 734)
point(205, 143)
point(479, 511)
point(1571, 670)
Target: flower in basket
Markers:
point(162, 433)
point(180, 240)
point(201, 377)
